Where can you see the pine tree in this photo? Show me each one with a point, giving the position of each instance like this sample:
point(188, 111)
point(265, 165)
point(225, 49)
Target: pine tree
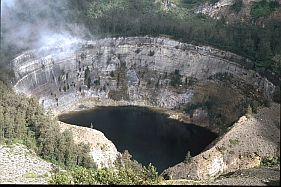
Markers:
point(188, 158)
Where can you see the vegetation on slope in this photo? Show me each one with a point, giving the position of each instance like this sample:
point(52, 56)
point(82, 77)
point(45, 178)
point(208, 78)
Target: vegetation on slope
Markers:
point(176, 19)
point(23, 120)
point(134, 18)
point(263, 8)
point(127, 171)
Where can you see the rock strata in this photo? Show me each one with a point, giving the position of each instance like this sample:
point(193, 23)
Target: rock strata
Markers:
point(147, 71)
point(103, 151)
point(209, 86)
point(244, 146)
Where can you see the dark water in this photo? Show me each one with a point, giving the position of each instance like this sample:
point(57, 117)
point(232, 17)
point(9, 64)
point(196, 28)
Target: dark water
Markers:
point(149, 137)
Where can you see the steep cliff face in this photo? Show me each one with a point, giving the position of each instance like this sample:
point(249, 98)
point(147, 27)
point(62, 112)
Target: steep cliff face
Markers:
point(102, 150)
point(209, 86)
point(142, 71)
point(245, 145)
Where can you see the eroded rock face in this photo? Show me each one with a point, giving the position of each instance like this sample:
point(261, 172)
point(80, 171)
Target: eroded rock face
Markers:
point(103, 151)
point(208, 84)
point(19, 165)
point(242, 147)
point(141, 70)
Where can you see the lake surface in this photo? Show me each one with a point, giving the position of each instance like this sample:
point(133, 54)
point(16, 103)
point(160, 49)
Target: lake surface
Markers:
point(150, 137)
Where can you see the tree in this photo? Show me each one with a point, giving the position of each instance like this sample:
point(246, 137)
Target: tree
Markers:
point(23, 119)
point(1, 123)
point(249, 111)
point(87, 73)
point(89, 82)
point(112, 74)
point(188, 158)
point(237, 6)
point(176, 78)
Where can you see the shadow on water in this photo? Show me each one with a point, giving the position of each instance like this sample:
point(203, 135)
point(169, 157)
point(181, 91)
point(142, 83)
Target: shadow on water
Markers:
point(150, 137)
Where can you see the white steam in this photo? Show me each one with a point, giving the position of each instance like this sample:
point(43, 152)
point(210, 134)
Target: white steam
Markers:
point(28, 24)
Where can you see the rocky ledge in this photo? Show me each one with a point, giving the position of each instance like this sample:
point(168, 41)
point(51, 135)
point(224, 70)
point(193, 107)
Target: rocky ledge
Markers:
point(157, 72)
point(251, 139)
point(102, 150)
point(19, 165)
point(209, 87)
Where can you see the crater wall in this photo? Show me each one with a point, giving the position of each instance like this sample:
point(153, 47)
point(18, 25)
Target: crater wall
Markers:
point(209, 86)
point(141, 71)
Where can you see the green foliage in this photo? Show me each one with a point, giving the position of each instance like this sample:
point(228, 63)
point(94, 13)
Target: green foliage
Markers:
point(176, 78)
point(88, 82)
point(111, 74)
point(87, 73)
point(249, 111)
point(277, 95)
point(139, 18)
point(214, 1)
point(126, 171)
point(64, 88)
point(233, 142)
point(23, 120)
point(263, 8)
point(62, 178)
point(188, 158)
point(270, 161)
point(87, 78)
point(30, 175)
point(237, 6)
point(221, 149)
point(97, 82)
point(188, 3)
point(254, 105)
point(131, 172)
point(204, 105)
point(135, 18)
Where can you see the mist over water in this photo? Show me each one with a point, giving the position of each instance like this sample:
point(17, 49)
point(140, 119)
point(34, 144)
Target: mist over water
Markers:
point(149, 137)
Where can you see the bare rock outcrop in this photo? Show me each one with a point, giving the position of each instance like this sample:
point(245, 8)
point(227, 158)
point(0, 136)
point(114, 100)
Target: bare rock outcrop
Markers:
point(243, 146)
point(19, 165)
point(205, 82)
point(103, 151)
point(148, 71)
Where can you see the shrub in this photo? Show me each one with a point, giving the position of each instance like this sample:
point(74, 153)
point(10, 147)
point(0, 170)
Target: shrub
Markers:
point(277, 95)
point(249, 111)
point(263, 8)
point(23, 120)
point(61, 178)
point(221, 149)
point(126, 171)
point(236, 7)
point(188, 158)
point(176, 78)
point(234, 142)
point(270, 161)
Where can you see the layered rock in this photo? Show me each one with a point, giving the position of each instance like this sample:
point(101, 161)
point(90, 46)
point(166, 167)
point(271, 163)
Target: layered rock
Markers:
point(250, 140)
point(156, 71)
point(210, 85)
point(102, 150)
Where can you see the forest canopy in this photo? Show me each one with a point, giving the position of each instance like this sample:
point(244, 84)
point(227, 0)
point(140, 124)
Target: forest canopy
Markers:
point(107, 18)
